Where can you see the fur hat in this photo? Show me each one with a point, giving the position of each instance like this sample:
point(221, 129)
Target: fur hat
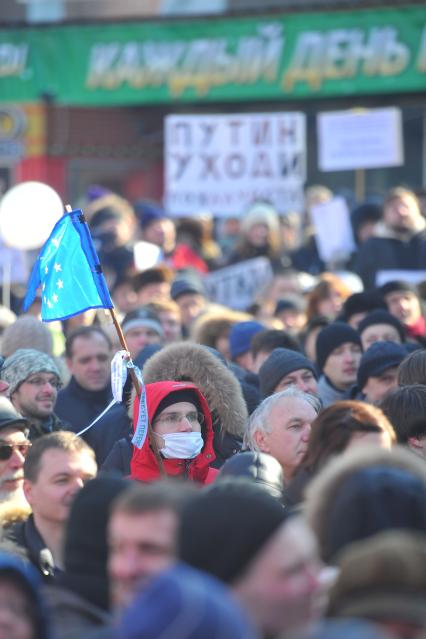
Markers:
point(188, 362)
point(26, 332)
point(383, 579)
point(333, 336)
point(280, 363)
point(25, 362)
point(261, 213)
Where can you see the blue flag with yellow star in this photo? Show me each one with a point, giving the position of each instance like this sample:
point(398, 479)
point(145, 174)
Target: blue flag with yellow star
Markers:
point(68, 272)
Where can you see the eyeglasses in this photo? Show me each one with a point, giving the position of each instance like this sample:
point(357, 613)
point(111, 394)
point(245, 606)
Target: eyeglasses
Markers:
point(194, 417)
point(7, 450)
point(42, 381)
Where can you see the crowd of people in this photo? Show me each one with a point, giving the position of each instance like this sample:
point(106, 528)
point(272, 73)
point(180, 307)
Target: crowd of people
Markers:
point(280, 492)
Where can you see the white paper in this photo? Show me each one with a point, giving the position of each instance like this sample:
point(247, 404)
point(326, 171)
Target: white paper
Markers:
point(236, 286)
point(146, 255)
point(359, 140)
point(334, 236)
point(223, 163)
point(411, 277)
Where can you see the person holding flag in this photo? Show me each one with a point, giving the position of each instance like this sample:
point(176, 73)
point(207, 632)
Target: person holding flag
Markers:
point(182, 429)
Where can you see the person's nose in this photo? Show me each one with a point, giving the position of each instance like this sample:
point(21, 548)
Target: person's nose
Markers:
point(16, 460)
point(185, 425)
point(306, 432)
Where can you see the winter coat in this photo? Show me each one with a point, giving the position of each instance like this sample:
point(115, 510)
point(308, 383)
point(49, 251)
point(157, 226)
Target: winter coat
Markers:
point(51, 424)
point(72, 615)
point(144, 464)
point(25, 535)
point(328, 394)
point(83, 407)
point(194, 363)
point(390, 251)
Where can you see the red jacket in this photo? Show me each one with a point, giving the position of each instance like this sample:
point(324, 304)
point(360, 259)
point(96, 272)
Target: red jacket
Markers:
point(144, 465)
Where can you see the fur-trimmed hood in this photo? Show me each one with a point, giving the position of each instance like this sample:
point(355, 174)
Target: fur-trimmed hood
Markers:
point(193, 363)
point(323, 489)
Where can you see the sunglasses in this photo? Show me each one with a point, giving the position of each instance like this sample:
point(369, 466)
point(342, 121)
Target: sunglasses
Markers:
point(7, 450)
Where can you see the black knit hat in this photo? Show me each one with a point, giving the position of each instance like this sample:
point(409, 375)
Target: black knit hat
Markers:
point(224, 527)
point(377, 359)
point(185, 395)
point(397, 285)
point(86, 551)
point(382, 317)
point(280, 363)
point(364, 302)
point(333, 336)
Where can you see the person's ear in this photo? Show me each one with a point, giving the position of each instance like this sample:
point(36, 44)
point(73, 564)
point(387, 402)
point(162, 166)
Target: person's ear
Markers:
point(262, 440)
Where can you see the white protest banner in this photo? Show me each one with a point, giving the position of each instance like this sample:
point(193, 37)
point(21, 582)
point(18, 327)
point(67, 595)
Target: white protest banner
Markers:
point(223, 163)
point(412, 277)
point(359, 139)
point(236, 286)
point(333, 230)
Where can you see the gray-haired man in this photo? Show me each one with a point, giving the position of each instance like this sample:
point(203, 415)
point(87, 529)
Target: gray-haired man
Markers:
point(281, 426)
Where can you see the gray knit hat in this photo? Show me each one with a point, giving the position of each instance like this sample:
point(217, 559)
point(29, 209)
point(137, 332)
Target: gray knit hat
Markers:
point(26, 332)
point(280, 363)
point(25, 362)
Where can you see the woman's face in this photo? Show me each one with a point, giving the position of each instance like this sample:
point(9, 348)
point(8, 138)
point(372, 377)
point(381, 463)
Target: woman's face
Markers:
point(15, 613)
point(331, 305)
point(258, 235)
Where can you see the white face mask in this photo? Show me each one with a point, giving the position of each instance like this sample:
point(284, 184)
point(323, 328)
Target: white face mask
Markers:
point(182, 445)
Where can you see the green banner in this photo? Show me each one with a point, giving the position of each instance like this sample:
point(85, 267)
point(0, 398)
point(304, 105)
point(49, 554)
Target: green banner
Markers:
point(275, 57)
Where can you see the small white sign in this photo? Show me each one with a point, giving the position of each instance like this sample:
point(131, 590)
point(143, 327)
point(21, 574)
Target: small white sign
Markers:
point(350, 140)
point(411, 277)
point(223, 163)
point(334, 236)
point(146, 255)
point(236, 286)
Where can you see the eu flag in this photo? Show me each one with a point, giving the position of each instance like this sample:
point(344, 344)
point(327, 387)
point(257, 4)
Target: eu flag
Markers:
point(68, 272)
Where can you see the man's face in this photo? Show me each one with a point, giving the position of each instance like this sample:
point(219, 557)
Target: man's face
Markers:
point(162, 233)
point(379, 333)
point(151, 291)
point(377, 387)
point(61, 475)
point(281, 589)
point(290, 427)
point(405, 305)
point(36, 396)
point(140, 336)
point(90, 362)
point(171, 325)
point(402, 213)
point(303, 379)
point(140, 547)
point(190, 306)
point(342, 365)
point(11, 469)
point(16, 615)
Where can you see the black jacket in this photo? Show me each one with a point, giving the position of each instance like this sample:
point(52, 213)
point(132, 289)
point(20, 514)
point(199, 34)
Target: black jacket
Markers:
point(49, 425)
point(25, 535)
point(82, 407)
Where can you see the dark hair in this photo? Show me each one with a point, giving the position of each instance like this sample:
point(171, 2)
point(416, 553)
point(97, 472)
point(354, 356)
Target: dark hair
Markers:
point(85, 332)
point(270, 339)
point(62, 440)
point(154, 275)
point(332, 430)
point(412, 369)
point(405, 407)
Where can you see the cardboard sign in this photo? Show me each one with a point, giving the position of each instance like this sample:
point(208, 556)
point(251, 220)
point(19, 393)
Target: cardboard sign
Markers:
point(223, 163)
point(236, 286)
point(359, 140)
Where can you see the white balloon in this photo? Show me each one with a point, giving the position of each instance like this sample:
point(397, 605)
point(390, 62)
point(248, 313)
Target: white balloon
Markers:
point(28, 213)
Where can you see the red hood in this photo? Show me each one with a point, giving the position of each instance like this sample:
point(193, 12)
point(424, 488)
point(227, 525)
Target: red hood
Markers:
point(144, 465)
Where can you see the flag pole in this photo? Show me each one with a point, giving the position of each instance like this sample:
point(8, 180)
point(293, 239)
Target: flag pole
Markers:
point(133, 377)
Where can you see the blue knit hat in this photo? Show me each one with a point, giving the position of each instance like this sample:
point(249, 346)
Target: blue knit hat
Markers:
point(377, 359)
point(240, 337)
point(183, 603)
